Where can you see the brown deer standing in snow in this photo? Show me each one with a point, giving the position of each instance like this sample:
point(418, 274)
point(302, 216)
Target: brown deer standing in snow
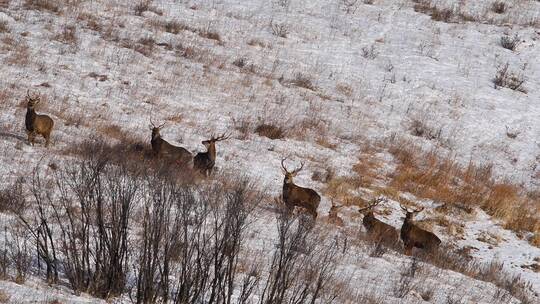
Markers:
point(413, 236)
point(37, 123)
point(204, 161)
point(376, 228)
point(294, 195)
point(162, 148)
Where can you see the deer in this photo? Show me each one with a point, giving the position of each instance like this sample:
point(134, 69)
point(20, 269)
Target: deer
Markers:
point(39, 124)
point(376, 228)
point(162, 148)
point(204, 161)
point(333, 216)
point(414, 236)
point(296, 196)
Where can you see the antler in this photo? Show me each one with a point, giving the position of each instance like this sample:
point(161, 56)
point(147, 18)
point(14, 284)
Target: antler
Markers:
point(153, 125)
point(283, 165)
point(374, 202)
point(298, 169)
point(221, 137)
point(32, 98)
point(413, 210)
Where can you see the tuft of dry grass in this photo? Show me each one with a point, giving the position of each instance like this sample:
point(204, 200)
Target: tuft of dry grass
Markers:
point(4, 297)
point(270, 131)
point(428, 174)
point(47, 5)
point(4, 28)
point(67, 35)
point(499, 7)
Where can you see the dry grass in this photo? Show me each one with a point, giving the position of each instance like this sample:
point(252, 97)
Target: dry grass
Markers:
point(4, 28)
point(67, 34)
point(4, 297)
point(427, 174)
point(47, 5)
point(270, 131)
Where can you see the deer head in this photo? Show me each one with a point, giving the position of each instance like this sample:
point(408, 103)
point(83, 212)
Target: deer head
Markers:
point(410, 214)
point(32, 101)
point(372, 204)
point(208, 143)
point(155, 129)
point(290, 174)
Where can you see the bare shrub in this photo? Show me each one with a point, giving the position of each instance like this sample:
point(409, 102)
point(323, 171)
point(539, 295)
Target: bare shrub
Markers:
point(12, 197)
point(436, 13)
point(146, 6)
point(349, 6)
point(48, 5)
point(68, 34)
point(510, 43)
point(174, 27)
point(19, 254)
point(4, 28)
point(210, 34)
point(419, 127)
point(508, 79)
point(369, 52)
point(300, 254)
point(279, 30)
point(270, 131)
point(303, 81)
point(499, 7)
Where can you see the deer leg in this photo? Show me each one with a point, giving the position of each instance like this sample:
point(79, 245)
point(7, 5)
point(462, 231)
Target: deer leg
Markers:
point(31, 137)
point(47, 139)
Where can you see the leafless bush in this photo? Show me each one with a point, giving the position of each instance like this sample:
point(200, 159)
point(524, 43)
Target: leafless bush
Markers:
point(302, 267)
point(499, 7)
point(280, 30)
point(506, 78)
point(68, 34)
point(419, 128)
point(12, 197)
point(406, 283)
point(303, 81)
point(369, 52)
point(436, 13)
point(270, 131)
point(146, 6)
point(210, 34)
point(510, 43)
point(19, 253)
point(49, 5)
point(4, 28)
point(349, 6)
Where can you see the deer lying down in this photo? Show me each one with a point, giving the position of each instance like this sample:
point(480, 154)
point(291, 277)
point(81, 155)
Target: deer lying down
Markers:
point(414, 236)
point(37, 123)
point(294, 195)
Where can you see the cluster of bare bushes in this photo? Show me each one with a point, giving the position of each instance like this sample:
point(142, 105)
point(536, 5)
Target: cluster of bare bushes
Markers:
point(107, 226)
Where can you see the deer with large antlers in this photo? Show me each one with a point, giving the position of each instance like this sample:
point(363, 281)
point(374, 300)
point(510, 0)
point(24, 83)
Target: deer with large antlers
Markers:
point(414, 236)
point(376, 228)
point(37, 123)
point(162, 148)
point(294, 195)
point(204, 161)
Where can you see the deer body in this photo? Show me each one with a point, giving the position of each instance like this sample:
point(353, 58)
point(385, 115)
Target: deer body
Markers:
point(36, 123)
point(296, 196)
point(162, 148)
point(204, 161)
point(376, 228)
point(414, 236)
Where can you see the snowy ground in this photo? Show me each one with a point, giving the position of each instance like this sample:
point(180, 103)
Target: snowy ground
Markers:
point(375, 71)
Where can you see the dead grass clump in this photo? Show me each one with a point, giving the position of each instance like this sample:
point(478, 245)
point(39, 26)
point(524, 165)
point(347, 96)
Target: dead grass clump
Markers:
point(4, 28)
point(171, 26)
point(499, 7)
point(114, 132)
point(508, 79)
point(279, 30)
point(19, 52)
point(259, 43)
point(209, 34)
point(270, 131)
point(427, 174)
point(4, 3)
point(436, 13)
point(90, 21)
point(303, 81)
point(67, 35)
point(510, 43)
point(146, 6)
point(48, 5)
point(4, 297)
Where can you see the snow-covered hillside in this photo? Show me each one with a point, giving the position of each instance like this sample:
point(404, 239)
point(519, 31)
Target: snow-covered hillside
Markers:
point(334, 77)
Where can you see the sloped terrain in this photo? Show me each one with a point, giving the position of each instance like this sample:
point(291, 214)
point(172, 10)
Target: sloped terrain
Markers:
point(343, 86)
